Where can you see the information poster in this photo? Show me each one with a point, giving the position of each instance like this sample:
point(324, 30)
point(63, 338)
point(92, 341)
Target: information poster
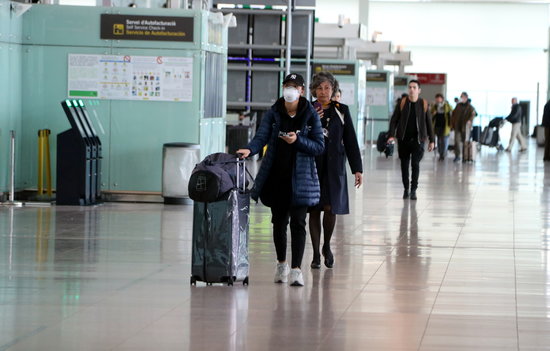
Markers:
point(377, 96)
point(156, 78)
point(348, 93)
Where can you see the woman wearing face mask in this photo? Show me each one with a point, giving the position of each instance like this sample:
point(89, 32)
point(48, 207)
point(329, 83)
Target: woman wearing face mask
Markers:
point(441, 120)
point(287, 181)
point(340, 143)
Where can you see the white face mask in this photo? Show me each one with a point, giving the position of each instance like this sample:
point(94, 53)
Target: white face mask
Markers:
point(290, 94)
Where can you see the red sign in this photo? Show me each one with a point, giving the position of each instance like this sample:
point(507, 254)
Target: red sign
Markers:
point(430, 78)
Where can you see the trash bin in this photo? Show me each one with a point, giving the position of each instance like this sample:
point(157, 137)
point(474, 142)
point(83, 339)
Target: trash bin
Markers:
point(178, 161)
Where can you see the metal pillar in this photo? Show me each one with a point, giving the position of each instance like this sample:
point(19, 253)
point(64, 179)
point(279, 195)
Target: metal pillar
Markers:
point(288, 36)
point(11, 196)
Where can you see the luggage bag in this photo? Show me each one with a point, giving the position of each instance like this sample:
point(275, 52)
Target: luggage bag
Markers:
point(470, 151)
point(220, 236)
point(539, 134)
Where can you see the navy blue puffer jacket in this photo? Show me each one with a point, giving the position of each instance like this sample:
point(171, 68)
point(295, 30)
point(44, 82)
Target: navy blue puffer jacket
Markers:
point(310, 143)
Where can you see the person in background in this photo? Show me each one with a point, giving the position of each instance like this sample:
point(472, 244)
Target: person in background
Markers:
point(461, 122)
point(340, 143)
point(337, 95)
point(546, 125)
point(441, 117)
point(411, 124)
point(287, 181)
point(515, 118)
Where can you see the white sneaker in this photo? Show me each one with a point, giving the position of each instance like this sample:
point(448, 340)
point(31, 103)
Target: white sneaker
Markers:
point(296, 277)
point(281, 273)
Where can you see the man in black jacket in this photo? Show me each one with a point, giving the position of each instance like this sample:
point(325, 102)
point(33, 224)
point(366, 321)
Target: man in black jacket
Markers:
point(411, 124)
point(546, 125)
point(515, 118)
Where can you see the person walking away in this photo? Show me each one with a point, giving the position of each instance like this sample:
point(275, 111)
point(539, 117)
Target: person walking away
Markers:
point(411, 124)
point(546, 125)
point(441, 112)
point(515, 118)
point(287, 180)
point(340, 143)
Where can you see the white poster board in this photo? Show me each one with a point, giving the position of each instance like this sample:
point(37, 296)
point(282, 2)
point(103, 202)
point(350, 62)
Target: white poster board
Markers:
point(348, 93)
point(376, 96)
point(156, 78)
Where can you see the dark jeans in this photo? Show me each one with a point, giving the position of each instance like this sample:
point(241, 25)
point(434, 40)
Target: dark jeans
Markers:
point(279, 217)
point(442, 142)
point(410, 152)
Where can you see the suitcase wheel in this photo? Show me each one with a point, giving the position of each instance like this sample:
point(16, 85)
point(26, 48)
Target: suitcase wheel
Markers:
point(229, 281)
point(193, 280)
point(245, 281)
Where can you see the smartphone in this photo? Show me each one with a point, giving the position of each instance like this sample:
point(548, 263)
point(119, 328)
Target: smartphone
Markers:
point(317, 105)
point(283, 134)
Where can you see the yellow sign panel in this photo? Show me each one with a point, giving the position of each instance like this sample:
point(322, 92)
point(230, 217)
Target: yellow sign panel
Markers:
point(118, 29)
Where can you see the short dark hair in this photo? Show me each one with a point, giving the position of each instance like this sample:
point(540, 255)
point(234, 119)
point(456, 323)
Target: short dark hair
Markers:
point(321, 77)
point(439, 95)
point(464, 93)
point(415, 81)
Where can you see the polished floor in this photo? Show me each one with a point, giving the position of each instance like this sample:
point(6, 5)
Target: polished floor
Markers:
point(466, 267)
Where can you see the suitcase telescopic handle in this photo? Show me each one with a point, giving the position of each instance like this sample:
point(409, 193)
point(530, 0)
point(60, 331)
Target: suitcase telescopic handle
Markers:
point(239, 180)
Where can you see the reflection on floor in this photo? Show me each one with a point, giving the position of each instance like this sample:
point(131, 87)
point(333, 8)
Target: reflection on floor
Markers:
point(463, 268)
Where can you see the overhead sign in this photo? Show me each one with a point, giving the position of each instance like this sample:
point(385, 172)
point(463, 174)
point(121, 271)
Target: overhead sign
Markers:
point(336, 69)
point(430, 78)
point(377, 77)
point(400, 81)
point(163, 28)
point(157, 78)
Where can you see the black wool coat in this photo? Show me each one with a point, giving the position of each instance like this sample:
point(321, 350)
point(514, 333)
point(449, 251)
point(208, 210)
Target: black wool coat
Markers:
point(340, 144)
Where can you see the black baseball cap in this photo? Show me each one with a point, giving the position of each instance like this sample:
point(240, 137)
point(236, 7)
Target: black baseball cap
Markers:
point(294, 78)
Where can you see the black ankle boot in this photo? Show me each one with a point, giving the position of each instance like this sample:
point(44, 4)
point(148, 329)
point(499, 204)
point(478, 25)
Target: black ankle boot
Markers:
point(316, 263)
point(413, 194)
point(329, 257)
point(406, 194)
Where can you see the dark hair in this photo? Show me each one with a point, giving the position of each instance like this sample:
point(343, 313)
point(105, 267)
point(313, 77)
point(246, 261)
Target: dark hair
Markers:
point(464, 93)
point(415, 81)
point(321, 77)
point(439, 95)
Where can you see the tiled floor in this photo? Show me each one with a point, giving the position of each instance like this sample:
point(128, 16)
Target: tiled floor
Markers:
point(466, 267)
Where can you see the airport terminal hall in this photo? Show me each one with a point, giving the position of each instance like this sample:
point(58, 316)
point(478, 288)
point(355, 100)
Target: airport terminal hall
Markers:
point(252, 175)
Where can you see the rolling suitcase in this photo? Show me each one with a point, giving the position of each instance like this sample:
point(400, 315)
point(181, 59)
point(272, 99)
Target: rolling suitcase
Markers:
point(539, 134)
point(220, 236)
point(476, 133)
point(470, 151)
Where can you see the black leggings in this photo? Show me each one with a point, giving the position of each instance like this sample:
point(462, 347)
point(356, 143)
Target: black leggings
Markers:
point(410, 152)
point(279, 218)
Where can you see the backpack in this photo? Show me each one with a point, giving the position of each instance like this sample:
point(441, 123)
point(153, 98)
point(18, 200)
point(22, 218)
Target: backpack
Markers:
point(214, 177)
point(404, 100)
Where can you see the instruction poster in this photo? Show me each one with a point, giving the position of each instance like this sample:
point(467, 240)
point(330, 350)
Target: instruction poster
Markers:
point(157, 78)
point(377, 96)
point(348, 93)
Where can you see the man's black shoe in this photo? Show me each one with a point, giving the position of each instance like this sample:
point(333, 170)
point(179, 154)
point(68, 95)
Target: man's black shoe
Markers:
point(413, 195)
point(406, 194)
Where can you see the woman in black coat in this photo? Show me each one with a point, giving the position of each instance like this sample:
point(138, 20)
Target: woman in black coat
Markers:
point(340, 142)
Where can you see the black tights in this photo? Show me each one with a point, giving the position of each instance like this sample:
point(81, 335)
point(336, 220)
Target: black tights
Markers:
point(329, 222)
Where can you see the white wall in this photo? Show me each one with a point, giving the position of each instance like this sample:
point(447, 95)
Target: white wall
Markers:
point(328, 10)
point(494, 51)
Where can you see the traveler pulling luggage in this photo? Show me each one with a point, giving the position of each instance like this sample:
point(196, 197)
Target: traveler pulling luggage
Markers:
point(220, 227)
